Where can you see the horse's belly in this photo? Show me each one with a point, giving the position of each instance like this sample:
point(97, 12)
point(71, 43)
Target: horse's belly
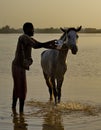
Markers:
point(60, 71)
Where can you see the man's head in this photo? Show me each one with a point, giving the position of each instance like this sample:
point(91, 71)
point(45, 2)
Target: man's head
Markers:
point(28, 29)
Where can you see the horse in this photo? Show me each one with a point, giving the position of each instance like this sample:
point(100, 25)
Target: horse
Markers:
point(53, 62)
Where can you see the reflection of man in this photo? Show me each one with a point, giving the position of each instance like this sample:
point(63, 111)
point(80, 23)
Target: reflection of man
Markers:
point(19, 122)
point(53, 121)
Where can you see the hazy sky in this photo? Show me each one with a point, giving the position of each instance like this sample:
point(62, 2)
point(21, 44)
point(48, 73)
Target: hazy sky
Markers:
point(51, 13)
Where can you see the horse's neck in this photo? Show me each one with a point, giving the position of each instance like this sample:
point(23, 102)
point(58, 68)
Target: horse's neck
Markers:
point(62, 55)
point(64, 51)
point(63, 37)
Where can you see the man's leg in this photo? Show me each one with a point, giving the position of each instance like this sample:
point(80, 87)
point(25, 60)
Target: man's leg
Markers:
point(14, 102)
point(21, 105)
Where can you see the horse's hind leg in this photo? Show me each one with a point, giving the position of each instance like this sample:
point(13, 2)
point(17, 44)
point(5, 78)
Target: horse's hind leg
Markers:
point(54, 88)
point(59, 85)
point(49, 85)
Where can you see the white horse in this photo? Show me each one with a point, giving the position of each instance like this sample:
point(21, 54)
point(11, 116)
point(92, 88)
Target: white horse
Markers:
point(53, 62)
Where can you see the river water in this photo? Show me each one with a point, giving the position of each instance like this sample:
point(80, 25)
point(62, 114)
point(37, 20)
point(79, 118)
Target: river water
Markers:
point(80, 107)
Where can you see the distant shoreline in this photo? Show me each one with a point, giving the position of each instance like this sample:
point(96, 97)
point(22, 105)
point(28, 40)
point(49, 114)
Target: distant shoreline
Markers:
point(7, 30)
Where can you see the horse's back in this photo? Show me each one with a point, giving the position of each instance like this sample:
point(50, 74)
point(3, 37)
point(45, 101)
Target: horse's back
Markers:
point(49, 55)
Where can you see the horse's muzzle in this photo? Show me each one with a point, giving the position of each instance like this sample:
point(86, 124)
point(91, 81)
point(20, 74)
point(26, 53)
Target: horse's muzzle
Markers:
point(74, 49)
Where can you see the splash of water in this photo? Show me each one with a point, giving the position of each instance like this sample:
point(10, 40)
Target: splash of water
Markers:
point(70, 107)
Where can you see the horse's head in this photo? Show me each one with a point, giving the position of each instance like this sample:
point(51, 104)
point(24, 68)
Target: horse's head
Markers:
point(69, 38)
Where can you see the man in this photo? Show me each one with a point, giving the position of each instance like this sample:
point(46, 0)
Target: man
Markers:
point(22, 61)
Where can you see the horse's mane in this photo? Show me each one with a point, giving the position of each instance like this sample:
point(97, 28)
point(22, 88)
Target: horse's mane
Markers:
point(63, 36)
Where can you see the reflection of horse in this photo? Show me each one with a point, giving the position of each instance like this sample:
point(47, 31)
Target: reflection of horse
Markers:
point(53, 62)
point(19, 122)
point(53, 120)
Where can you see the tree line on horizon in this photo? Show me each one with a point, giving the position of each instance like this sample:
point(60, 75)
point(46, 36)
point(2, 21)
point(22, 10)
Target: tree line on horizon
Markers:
point(8, 29)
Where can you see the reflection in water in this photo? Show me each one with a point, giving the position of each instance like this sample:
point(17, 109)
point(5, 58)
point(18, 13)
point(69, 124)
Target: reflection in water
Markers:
point(53, 120)
point(19, 122)
point(53, 116)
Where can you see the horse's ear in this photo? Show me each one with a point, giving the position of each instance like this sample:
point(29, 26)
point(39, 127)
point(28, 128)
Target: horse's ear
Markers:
point(63, 30)
point(78, 29)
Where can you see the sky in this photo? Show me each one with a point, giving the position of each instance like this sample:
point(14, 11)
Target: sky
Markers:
point(51, 13)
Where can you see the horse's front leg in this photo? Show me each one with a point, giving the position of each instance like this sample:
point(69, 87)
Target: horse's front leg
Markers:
point(59, 85)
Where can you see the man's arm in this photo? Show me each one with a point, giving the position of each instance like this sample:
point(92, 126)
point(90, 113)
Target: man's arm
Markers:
point(49, 44)
point(53, 44)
